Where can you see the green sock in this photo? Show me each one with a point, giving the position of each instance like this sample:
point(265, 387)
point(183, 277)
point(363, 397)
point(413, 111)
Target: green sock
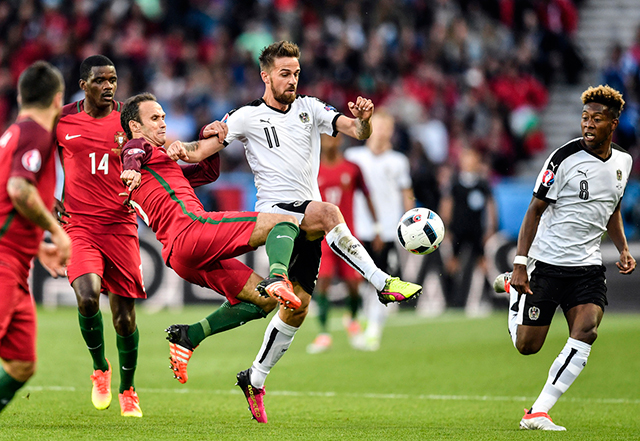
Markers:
point(279, 246)
point(92, 332)
point(128, 355)
point(224, 318)
point(354, 303)
point(323, 310)
point(8, 388)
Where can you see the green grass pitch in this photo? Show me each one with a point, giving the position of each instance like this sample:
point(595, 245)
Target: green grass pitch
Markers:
point(449, 378)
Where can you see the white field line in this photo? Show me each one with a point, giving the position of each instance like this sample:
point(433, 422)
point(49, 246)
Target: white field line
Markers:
point(426, 397)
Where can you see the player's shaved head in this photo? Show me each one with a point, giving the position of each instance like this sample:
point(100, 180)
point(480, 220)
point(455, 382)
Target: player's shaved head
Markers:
point(91, 62)
point(280, 49)
point(38, 84)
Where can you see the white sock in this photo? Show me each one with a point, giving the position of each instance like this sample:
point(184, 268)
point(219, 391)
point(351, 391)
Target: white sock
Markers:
point(515, 317)
point(277, 339)
point(564, 370)
point(345, 245)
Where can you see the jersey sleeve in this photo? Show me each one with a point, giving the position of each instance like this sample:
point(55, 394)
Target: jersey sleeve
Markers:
point(135, 153)
point(548, 181)
point(326, 117)
point(235, 122)
point(204, 172)
point(31, 152)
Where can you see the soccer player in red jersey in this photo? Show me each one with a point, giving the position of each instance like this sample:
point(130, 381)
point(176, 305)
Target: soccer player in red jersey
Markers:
point(27, 181)
point(338, 181)
point(106, 252)
point(200, 246)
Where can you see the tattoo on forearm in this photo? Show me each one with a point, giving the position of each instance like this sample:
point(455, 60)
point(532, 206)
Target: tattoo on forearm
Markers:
point(29, 204)
point(191, 146)
point(363, 129)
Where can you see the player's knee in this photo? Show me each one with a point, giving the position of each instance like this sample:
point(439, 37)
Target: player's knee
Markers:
point(527, 347)
point(20, 370)
point(124, 324)
point(88, 304)
point(587, 336)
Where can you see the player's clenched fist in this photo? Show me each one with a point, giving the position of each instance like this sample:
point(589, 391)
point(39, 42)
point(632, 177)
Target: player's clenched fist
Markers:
point(216, 128)
point(131, 178)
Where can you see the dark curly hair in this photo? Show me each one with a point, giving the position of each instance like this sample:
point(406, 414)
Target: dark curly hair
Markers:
point(605, 95)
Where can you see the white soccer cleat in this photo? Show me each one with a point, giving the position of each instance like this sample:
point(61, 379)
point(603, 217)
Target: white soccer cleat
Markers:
point(502, 283)
point(538, 421)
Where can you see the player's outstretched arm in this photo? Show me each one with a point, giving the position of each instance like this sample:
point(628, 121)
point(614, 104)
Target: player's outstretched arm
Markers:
point(528, 230)
point(360, 126)
point(615, 229)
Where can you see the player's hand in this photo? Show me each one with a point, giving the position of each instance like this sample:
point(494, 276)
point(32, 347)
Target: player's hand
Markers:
point(177, 151)
point(362, 108)
point(520, 279)
point(59, 212)
point(131, 179)
point(627, 263)
point(50, 260)
point(216, 128)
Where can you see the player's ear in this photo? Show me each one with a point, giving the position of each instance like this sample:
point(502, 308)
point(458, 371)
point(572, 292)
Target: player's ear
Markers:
point(265, 77)
point(82, 83)
point(134, 126)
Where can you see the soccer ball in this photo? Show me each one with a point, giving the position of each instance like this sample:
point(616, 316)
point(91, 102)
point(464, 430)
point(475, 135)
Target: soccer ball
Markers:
point(420, 231)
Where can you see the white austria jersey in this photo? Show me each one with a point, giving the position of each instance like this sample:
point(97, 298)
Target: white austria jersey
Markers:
point(283, 148)
point(583, 190)
point(386, 175)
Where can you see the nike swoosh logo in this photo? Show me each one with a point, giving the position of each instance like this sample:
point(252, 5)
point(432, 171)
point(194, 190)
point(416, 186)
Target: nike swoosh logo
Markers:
point(127, 369)
point(67, 137)
point(282, 237)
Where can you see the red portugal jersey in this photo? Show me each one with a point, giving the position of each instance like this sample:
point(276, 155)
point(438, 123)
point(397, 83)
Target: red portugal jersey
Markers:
point(26, 150)
point(338, 183)
point(165, 199)
point(90, 154)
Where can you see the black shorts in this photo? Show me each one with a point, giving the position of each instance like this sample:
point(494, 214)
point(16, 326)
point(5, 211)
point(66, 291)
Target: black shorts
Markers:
point(305, 257)
point(560, 285)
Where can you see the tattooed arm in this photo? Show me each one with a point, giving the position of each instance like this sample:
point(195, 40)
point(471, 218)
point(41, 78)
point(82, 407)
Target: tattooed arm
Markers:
point(360, 126)
point(27, 201)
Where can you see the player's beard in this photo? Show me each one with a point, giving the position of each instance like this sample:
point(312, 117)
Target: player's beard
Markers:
point(283, 98)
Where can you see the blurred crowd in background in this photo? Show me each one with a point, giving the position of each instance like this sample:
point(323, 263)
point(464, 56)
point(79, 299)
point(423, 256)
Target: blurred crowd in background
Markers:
point(455, 73)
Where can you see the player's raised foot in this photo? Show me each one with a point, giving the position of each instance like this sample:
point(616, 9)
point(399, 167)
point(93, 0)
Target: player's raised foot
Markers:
point(538, 421)
point(396, 290)
point(129, 403)
point(502, 283)
point(280, 288)
point(180, 351)
point(253, 396)
point(320, 344)
point(101, 391)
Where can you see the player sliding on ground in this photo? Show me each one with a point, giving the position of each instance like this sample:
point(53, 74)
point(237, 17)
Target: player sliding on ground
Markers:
point(200, 246)
point(576, 200)
point(281, 134)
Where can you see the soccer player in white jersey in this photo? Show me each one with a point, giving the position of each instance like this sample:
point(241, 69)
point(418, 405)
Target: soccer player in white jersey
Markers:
point(387, 175)
point(576, 199)
point(281, 134)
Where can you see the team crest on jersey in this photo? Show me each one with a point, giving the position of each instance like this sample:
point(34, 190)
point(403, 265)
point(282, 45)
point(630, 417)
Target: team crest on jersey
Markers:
point(619, 175)
point(32, 160)
point(120, 138)
point(547, 178)
point(534, 313)
point(304, 117)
